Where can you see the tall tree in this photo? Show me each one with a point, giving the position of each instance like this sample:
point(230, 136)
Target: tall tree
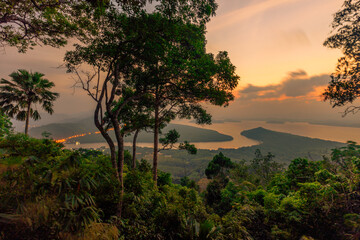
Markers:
point(184, 76)
point(176, 71)
point(116, 79)
point(135, 117)
point(344, 87)
point(117, 51)
point(25, 89)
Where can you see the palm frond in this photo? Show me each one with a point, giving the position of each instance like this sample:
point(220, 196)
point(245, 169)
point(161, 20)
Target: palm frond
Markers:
point(23, 89)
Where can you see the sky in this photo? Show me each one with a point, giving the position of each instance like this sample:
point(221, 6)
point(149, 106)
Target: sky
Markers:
point(276, 46)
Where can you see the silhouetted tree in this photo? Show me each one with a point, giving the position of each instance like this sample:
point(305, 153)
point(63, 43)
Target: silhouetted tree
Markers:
point(345, 81)
point(24, 90)
point(26, 23)
point(171, 138)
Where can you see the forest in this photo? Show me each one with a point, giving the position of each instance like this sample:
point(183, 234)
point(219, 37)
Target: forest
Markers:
point(143, 69)
point(48, 192)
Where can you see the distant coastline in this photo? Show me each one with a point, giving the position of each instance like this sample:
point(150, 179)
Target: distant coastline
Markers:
point(219, 135)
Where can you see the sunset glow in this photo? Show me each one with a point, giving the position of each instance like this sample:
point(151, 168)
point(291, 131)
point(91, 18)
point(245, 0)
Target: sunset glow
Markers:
point(266, 40)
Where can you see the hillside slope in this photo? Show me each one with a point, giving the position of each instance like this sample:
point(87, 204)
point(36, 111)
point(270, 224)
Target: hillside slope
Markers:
point(284, 146)
point(287, 146)
point(63, 130)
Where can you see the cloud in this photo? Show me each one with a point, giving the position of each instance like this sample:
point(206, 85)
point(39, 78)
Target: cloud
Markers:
point(293, 38)
point(297, 73)
point(241, 14)
point(296, 85)
point(255, 89)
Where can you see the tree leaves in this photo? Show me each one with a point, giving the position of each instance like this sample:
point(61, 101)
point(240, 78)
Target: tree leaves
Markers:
point(344, 86)
point(24, 89)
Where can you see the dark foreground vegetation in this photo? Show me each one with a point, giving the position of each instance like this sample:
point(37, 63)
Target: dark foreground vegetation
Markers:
point(48, 192)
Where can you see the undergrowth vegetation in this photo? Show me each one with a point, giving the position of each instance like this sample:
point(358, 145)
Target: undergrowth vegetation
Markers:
point(48, 192)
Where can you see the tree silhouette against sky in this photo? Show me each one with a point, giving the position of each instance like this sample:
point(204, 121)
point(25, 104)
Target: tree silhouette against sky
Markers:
point(19, 95)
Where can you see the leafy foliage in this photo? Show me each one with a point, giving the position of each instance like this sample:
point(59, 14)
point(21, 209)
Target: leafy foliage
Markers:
point(264, 167)
point(157, 69)
point(343, 88)
point(5, 125)
point(218, 167)
point(171, 138)
point(23, 90)
point(52, 187)
point(59, 193)
point(25, 23)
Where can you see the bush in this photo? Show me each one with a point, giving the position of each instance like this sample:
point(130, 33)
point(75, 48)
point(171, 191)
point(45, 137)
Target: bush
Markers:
point(55, 191)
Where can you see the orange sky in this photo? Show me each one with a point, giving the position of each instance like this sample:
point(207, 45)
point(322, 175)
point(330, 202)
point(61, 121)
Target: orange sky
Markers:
point(267, 40)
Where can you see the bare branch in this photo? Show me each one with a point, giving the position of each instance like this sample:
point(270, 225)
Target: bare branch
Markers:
point(351, 109)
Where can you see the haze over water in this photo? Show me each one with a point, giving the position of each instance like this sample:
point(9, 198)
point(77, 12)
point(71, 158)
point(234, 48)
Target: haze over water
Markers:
point(234, 129)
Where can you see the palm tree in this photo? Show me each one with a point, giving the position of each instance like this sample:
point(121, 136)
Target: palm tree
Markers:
point(24, 90)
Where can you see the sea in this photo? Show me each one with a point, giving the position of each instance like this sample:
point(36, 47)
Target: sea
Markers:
point(234, 129)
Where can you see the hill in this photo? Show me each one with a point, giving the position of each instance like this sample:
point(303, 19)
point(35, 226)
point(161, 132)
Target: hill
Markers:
point(284, 146)
point(287, 146)
point(64, 130)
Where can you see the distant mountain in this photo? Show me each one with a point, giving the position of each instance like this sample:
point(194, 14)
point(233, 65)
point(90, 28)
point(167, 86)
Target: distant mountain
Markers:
point(64, 130)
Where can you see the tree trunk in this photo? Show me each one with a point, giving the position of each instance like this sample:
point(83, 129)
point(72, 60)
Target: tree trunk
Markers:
point(121, 172)
point(156, 143)
point(27, 119)
point(112, 149)
point(108, 139)
point(134, 149)
point(120, 163)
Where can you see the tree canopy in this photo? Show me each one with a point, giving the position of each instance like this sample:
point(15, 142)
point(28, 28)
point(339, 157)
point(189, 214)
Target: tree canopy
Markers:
point(219, 166)
point(26, 23)
point(344, 88)
point(157, 56)
point(179, 74)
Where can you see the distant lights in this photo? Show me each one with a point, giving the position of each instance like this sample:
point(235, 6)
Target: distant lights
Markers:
point(79, 135)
